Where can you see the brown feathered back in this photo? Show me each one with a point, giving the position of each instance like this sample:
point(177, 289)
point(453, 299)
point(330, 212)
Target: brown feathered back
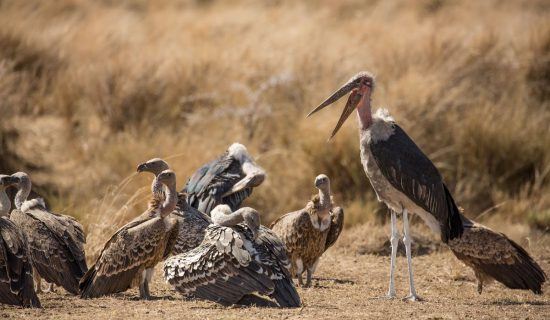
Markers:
point(493, 255)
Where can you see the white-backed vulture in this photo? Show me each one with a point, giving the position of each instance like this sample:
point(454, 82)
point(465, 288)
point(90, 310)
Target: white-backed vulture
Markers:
point(191, 222)
point(229, 180)
point(493, 256)
point(129, 256)
point(56, 242)
point(234, 260)
point(16, 282)
point(309, 232)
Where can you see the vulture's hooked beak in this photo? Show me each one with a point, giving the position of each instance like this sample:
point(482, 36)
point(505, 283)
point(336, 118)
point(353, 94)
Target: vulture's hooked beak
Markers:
point(353, 100)
point(10, 181)
point(142, 167)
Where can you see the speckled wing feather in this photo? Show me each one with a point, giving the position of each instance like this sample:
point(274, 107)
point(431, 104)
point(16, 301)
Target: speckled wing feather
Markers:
point(16, 283)
point(55, 246)
point(128, 252)
point(192, 226)
point(270, 252)
point(409, 171)
point(221, 269)
point(292, 229)
point(336, 226)
point(493, 255)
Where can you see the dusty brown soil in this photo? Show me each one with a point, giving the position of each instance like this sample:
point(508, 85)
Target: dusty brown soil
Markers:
point(347, 287)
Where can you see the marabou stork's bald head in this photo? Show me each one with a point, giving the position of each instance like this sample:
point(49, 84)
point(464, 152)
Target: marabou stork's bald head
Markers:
point(154, 166)
point(360, 86)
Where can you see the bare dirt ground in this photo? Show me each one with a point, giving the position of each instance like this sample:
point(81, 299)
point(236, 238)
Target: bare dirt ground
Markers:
point(348, 285)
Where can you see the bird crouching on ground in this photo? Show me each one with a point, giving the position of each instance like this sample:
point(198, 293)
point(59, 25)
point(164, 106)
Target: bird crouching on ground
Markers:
point(237, 258)
point(493, 256)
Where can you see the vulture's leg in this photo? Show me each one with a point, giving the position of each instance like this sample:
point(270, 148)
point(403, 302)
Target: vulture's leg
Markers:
point(37, 281)
point(479, 283)
point(394, 239)
point(407, 241)
point(308, 277)
point(144, 286)
point(300, 281)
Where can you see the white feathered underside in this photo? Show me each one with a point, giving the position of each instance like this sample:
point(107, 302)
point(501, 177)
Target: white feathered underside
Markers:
point(29, 204)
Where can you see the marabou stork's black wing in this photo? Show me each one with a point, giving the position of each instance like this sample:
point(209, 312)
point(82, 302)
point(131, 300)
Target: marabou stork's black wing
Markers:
point(409, 171)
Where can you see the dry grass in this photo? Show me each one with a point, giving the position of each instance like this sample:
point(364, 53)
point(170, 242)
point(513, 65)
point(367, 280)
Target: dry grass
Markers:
point(88, 89)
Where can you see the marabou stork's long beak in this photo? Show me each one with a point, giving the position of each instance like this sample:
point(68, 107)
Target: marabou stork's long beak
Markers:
point(353, 100)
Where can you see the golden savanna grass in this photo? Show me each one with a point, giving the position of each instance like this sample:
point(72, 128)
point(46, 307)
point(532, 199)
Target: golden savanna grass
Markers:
point(88, 89)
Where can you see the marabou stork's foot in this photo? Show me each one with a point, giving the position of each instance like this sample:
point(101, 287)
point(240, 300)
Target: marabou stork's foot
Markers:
point(412, 297)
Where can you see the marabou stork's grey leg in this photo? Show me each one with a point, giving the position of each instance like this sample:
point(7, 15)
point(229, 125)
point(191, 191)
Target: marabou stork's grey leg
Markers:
point(394, 239)
point(407, 241)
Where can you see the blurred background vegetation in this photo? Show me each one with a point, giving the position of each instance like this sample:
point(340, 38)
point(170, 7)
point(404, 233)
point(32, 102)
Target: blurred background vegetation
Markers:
point(88, 89)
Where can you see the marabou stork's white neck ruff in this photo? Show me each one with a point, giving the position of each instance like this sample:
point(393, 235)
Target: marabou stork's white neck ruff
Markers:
point(402, 176)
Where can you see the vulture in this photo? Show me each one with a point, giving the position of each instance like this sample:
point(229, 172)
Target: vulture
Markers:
point(16, 282)
point(191, 222)
point(130, 255)
point(237, 258)
point(56, 242)
point(309, 232)
point(229, 180)
point(493, 256)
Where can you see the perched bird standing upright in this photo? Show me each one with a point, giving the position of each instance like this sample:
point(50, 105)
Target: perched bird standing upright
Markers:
point(56, 242)
point(234, 260)
point(16, 283)
point(191, 222)
point(227, 180)
point(493, 256)
point(309, 232)
point(408, 182)
point(128, 258)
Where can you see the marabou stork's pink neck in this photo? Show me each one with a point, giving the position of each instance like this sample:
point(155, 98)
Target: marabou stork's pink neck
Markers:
point(364, 113)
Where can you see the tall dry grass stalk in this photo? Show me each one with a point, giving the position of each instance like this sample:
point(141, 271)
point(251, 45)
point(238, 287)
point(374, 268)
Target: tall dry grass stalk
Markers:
point(88, 89)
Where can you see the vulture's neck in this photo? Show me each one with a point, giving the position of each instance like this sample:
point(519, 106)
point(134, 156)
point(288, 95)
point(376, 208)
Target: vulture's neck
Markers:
point(22, 194)
point(170, 200)
point(228, 220)
point(5, 204)
point(157, 188)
